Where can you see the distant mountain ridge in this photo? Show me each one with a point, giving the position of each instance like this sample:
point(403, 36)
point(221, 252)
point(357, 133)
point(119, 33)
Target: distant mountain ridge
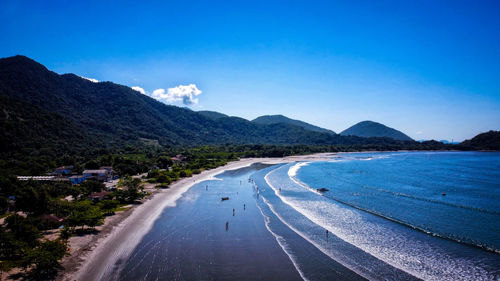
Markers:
point(277, 119)
point(212, 114)
point(368, 129)
point(46, 116)
point(114, 114)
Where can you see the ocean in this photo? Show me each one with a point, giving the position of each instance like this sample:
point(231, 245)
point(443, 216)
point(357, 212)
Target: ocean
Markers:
point(384, 216)
point(433, 215)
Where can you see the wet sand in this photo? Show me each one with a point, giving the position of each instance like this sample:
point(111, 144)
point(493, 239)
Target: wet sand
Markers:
point(118, 242)
point(114, 246)
point(205, 238)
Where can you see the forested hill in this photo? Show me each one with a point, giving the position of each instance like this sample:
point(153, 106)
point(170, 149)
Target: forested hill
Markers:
point(370, 129)
point(212, 114)
point(47, 119)
point(276, 119)
point(485, 141)
point(117, 115)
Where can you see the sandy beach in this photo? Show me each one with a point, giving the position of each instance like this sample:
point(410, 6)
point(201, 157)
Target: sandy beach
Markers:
point(93, 255)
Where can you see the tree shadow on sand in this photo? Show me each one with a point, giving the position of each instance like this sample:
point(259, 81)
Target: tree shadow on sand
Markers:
point(36, 275)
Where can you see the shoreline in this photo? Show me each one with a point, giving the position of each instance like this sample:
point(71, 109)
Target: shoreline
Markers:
point(121, 233)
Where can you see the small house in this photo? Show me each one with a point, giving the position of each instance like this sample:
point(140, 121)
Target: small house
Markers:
point(50, 221)
point(77, 179)
point(178, 158)
point(100, 175)
point(109, 169)
point(98, 195)
point(36, 178)
point(50, 218)
point(64, 170)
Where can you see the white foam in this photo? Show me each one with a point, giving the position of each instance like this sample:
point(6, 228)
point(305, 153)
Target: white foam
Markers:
point(281, 241)
point(303, 235)
point(292, 172)
point(410, 254)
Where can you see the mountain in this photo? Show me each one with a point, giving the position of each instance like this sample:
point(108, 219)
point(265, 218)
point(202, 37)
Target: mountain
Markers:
point(47, 119)
point(31, 138)
point(369, 129)
point(277, 119)
point(116, 115)
point(449, 142)
point(484, 141)
point(212, 114)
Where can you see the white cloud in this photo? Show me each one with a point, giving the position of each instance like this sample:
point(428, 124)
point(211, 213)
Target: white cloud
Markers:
point(185, 93)
point(91, 79)
point(159, 94)
point(139, 89)
point(182, 93)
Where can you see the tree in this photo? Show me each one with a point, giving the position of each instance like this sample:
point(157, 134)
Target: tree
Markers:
point(10, 249)
point(130, 189)
point(84, 213)
point(108, 206)
point(32, 201)
point(45, 257)
point(23, 229)
point(130, 183)
point(93, 186)
point(163, 178)
point(153, 174)
point(164, 162)
point(185, 173)
point(92, 165)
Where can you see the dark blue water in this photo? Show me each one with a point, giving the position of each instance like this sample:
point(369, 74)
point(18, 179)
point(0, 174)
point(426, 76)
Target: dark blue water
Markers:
point(451, 194)
point(390, 207)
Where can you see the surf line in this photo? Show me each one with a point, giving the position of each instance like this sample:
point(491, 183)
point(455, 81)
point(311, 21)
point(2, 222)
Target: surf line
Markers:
point(464, 241)
point(316, 245)
point(281, 242)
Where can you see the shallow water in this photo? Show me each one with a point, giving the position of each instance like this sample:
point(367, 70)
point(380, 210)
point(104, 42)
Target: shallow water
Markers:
point(390, 206)
point(192, 242)
point(384, 218)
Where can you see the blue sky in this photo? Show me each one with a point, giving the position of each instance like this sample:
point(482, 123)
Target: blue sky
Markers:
point(428, 68)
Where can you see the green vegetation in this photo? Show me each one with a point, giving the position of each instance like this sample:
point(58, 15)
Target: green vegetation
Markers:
point(32, 207)
point(35, 207)
point(276, 119)
point(212, 114)
point(115, 115)
point(49, 120)
point(368, 129)
point(485, 141)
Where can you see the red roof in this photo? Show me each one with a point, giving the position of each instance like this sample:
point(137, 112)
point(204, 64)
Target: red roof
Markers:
point(54, 218)
point(99, 194)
